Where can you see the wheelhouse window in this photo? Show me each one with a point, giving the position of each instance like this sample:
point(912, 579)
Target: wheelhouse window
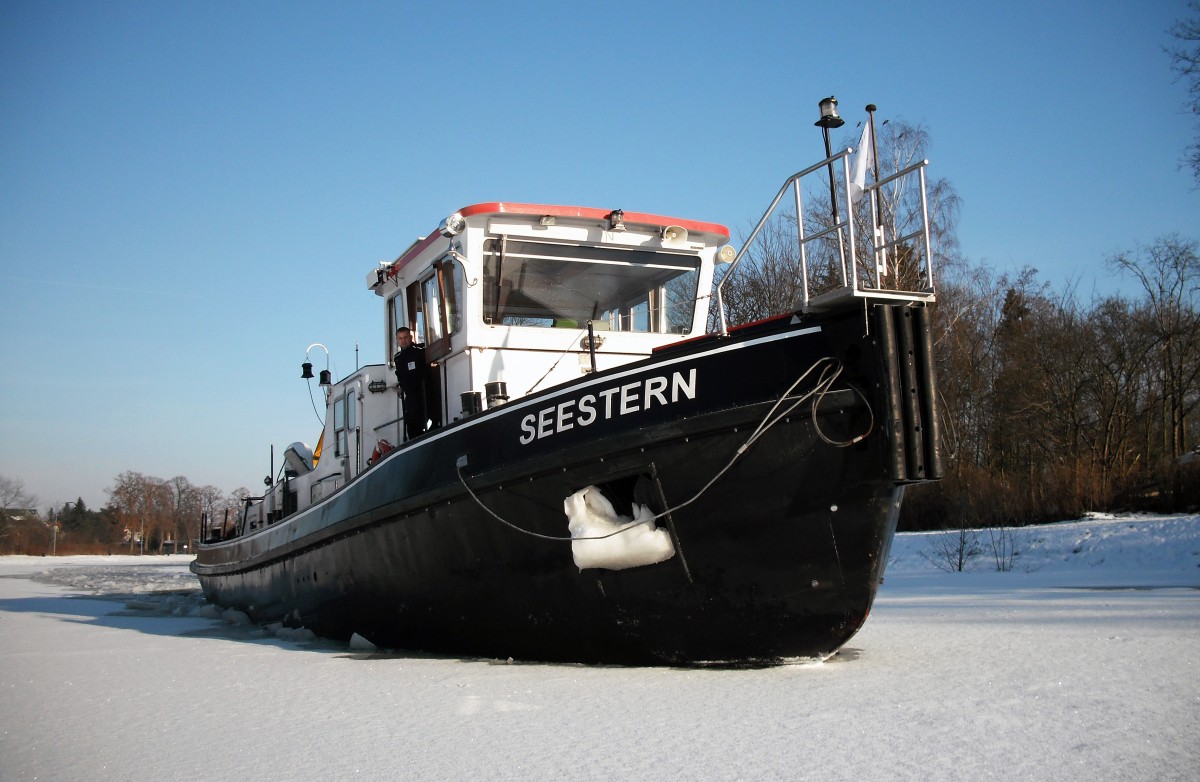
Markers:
point(435, 306)
point(452, 283)
point(396, 319)
point(530, 283)
point(435, 324)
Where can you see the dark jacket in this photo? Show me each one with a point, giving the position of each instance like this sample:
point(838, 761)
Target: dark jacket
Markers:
point(412, 370)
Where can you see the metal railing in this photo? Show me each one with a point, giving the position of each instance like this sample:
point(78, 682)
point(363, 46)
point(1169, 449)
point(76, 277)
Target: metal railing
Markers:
point(856, 283)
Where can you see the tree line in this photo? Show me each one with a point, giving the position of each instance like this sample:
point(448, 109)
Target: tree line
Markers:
point(144, 515)
point(1053, 407)
point(1050, 406)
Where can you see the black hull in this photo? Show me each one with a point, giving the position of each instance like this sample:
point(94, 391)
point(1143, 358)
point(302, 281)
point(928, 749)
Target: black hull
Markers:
point(780, 558)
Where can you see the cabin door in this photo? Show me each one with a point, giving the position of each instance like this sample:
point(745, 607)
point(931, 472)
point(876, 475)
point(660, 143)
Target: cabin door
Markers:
point(433, 306)
point(347, 434)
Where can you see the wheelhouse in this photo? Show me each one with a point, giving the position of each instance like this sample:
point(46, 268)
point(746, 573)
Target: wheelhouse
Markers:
point(513, 298)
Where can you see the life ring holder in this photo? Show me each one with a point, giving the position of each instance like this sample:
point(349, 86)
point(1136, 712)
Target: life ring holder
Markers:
point(382, 449)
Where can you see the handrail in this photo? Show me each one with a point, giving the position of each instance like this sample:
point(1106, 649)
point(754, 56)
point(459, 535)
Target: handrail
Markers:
point(845, 230)
point(922, 231)
point(793, 179)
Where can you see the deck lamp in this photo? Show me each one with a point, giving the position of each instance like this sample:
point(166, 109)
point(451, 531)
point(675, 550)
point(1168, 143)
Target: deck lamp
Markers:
point(829, 116)
point(616, 220)
point(830, 119)
point(452, 226)
point(306, 367)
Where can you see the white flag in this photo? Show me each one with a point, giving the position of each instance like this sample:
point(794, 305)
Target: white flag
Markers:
point(864, 158)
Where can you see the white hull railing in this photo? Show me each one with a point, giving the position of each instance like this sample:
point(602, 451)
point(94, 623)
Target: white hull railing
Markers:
point(852, 286)
point(880, 246)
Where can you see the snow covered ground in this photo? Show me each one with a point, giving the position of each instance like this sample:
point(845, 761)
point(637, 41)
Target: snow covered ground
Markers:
point(1081, 662)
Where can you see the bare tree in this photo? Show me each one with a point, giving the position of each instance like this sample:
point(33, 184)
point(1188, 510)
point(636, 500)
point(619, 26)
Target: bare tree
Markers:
point(1004, 546)
point(1169, 273)
point(1185, 61)
point(185, 514)
point(1121, 394)
point(13, 495)
point(144, 505)
point(213, 503)
point(15, 503)
point(954, 551)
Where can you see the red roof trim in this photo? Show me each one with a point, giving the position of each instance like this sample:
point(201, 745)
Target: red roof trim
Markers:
point(412, 252)
point(589, 213)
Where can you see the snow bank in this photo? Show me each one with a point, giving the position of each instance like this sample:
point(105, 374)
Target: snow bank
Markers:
point(1098, 551)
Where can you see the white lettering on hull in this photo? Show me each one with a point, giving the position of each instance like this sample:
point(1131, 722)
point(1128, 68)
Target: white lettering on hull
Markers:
point(657, 391)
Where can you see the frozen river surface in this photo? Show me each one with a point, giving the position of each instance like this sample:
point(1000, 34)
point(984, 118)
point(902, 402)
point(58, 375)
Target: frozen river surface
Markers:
point(1081, 663)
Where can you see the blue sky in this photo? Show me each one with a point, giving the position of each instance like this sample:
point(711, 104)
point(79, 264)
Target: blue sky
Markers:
point(191, 193)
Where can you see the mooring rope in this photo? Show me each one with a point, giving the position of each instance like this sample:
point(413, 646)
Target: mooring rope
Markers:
point(830, 371)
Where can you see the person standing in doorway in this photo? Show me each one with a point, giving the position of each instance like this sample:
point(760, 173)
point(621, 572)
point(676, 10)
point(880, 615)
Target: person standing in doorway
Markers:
point(412, 374)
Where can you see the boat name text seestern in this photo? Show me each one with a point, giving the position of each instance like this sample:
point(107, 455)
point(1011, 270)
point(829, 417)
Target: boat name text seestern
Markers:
point(609, 403)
